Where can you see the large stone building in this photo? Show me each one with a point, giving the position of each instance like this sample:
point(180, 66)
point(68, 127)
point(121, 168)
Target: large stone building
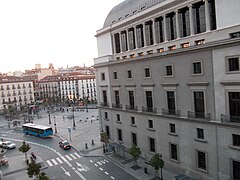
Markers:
point(168, 80)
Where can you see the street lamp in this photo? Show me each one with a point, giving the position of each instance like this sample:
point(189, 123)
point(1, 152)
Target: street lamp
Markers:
point(74, 125)
point(49, 119)
point(55, 125)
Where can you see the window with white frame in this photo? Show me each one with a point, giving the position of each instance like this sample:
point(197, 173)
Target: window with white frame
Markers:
point(174, 152)
point(103, 76)
point(147, 73)
point(152, 145)
point(236, 139)
point(197, 67)
point(169, 70)
point(233, 64)
point(201, 160)
point(115, 75)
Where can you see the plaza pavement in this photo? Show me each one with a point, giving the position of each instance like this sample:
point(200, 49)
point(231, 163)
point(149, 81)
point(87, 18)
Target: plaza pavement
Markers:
point(81, 138)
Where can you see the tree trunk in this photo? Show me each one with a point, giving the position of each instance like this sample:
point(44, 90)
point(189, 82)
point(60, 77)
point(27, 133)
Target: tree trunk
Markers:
point(156, 173)
point(26, 157)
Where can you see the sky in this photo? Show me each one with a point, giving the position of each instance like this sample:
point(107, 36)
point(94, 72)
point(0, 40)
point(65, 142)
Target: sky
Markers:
point(50, 31)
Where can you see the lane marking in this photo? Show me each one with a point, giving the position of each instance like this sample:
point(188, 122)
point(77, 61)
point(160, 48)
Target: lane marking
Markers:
point(106, 173)
point(68, 157)
point(101, 169)
point(54, 161)
point(112, 177)
point(49, 163)
point(96, 165)
point(91, 161)
point(103, 162)
point(77, 155)
point(72, 156)
point(59, 160)
point(99, 163)
point(80, 175)
point(106, 161)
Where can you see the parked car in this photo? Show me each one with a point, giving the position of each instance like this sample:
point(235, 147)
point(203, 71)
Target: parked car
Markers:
point(65, 145)
point(7, 145)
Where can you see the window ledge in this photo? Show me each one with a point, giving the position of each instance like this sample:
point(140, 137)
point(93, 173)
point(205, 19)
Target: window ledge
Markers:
point(200, 140)
point(151, 152)
point(150, 129)
point(174, 160)
point(133, 125)
point(235, 147)
point(119, 122)
point(172, 134)
point(200, 74)
point(202, 170)
point(170, 76)
point(232, 72)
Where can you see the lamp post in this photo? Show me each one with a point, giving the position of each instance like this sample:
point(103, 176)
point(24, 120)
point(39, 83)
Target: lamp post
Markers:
point(74, 125)
point(55, 125)
point(49, 119)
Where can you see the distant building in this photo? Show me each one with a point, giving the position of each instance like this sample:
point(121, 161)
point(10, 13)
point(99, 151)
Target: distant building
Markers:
point(168, 80)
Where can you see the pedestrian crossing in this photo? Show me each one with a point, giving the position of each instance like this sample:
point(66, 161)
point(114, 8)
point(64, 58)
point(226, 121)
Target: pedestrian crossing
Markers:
point(62, 159)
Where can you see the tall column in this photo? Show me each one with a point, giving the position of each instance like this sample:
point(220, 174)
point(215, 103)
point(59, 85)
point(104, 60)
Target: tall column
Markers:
point(127, 40)
point(113, 43)
point(177, 24)
point(154, 32)
point(120, 40)
point(135, 36)
point(144, 35)
point(191, 19)
point(165, 28)
point(207, 15)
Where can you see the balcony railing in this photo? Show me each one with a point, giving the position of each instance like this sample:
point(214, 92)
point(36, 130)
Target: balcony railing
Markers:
point(170, 112)
point(229, 118)
point(117, 106)
point(104, 104)
point(200, 115)
point(3, 95)
point(129, 107)
point(149, 109)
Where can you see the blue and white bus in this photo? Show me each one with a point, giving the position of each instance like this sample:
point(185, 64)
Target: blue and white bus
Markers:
point(37, 130)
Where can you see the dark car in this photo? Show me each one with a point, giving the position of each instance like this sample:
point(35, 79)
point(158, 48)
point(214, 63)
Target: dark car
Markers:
point(65, 145)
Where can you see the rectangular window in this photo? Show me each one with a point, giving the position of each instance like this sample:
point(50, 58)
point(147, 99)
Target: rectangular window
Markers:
point(117, 43)
point(124, 41)
point(233, 64)
point(199, 17)
point(107, 131)
point(131, 99)
point(171, 102)
point(200, 133)
point(102, 76)
point(149, 33)
point(147, 72)
point(104, 96)
point(199, 104)
point(129, 74)
point(235, 35)
point(105, 115)
point(172, 128)
point(152, 144)
point(169, 70)
point(197, 68)
point(236, 170)
point(118, 117)
point(201, 160)
point(171, 26)
point(150, 124)
point(134, 138)
point(117, 99)
point(184, 22)
point(159, 29)
point(149, 100)
point(236, 139)
point(114, 75)
point(132, 120)
point(234, 106)
point(174, 152)
point(119, 134)
point(131, 38)
point(140, 39)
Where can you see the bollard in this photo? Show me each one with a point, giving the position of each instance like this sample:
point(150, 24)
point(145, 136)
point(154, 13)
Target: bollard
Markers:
point(92, 142)
point(145, 170)
point(86, 147)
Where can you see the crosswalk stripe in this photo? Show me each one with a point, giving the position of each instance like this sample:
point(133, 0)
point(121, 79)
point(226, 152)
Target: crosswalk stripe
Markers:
point(63, 158)
point(72, 156)
point(77, 155)
point(99, 163)
point(54, 161)
point(59, 160)
point(49, 163)
point(68, 157)
point(106, 161)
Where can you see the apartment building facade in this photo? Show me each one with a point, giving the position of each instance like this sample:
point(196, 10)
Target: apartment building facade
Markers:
point(167, 75)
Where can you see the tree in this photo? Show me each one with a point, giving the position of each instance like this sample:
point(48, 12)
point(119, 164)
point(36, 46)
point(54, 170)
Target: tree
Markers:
point(43, 176)
point(135, 153)
point(33, 169)
point(105, 139)
point(24, 149)
point(157, 163)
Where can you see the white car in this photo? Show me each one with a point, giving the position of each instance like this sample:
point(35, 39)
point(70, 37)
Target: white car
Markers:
point(7, 144)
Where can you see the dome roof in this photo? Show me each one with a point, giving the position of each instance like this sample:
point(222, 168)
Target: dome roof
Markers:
point(128, 8)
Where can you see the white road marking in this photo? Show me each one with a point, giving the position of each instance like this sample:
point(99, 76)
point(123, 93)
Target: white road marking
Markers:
point(59, 160)
point(101, 169)
point(103, 162)
point(54, 161)
point(91, 161)
point(106, 161)
point(77, 155)
point(80, 175)
point(99, 163)
point(106, 173)
point(68, 157)
point(49, 163)
point(112, 177)
point(72, 156)
point(63, 158)
point(96, 165)
point(73, 168)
